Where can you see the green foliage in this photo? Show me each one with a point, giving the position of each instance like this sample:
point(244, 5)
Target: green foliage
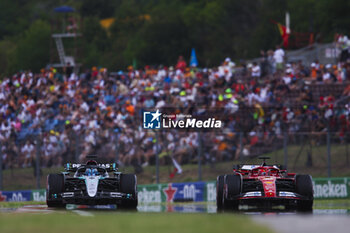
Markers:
point(101, 8)
point(32, 48)
point(95, 34)
point(11, 17)
point(7, 48)
point(95, 42)
point(158, 31)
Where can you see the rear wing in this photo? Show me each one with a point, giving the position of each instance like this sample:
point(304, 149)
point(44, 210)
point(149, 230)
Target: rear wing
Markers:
point(73, 167)
point(238, 167)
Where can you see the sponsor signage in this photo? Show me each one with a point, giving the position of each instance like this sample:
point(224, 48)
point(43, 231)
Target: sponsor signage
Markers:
point(39, 195)
point(77, 165)
point(324, 188)
point(210, 191)
point(189, 191)
point(16, 196)
point(150, 194)
point(331, 188)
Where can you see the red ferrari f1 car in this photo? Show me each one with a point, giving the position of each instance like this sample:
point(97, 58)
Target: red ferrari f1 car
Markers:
point(264, 186)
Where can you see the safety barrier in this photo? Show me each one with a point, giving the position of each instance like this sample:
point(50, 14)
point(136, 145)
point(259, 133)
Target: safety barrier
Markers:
point(324, 188)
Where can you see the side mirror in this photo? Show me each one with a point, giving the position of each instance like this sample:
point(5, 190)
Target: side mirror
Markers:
point(67, 166)
point(112, 167)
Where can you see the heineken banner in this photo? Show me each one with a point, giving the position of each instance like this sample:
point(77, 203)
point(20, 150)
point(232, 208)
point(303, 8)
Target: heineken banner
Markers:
point(331, 188)
point(324, 188)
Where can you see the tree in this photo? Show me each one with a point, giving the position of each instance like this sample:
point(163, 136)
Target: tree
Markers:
point(95, 42)
point(7, 48)
point(33, 46)
point(101, 8)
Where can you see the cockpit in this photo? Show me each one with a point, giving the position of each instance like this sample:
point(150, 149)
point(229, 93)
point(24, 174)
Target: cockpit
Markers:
point(91, 171)
point(264, 171)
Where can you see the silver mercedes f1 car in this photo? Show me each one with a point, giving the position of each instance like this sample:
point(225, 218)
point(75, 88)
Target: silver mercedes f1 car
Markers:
point(92, 184)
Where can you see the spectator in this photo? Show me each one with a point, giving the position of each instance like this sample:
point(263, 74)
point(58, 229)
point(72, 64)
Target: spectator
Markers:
point(98, 113)
point(181, 64)
point(27, 152)
point(279, 58)
point(256, 72)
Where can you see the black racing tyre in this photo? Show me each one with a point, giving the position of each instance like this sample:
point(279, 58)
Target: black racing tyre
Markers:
point(219, 192)
point(303, 186)
point(128, 184)
point(232, 184)
point(55, 185)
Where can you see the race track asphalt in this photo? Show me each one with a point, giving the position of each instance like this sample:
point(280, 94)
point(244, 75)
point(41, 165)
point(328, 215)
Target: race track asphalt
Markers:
point(299, 223)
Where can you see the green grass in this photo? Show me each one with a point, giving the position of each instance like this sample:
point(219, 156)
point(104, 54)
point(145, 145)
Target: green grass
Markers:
point(19, 204)
point(332, 204)
point(128, 222)
point(318, 204)
point(115, 221)
point(23, 178)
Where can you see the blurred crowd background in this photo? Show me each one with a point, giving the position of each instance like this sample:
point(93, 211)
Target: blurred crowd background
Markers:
point(64, 116)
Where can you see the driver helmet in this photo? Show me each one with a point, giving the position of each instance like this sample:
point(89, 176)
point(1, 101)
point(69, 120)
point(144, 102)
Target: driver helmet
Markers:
point(88, 172)
point(94, 172)
point(262, 173)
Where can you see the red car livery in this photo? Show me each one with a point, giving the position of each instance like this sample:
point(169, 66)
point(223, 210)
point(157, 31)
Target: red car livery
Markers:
point(264, 186)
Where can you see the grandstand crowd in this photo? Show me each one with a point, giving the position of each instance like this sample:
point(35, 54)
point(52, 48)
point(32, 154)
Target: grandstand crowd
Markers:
point(64, 116)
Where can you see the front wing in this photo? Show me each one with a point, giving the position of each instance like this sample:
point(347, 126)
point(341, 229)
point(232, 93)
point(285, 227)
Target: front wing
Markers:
point(101, 198)
point(258, 198)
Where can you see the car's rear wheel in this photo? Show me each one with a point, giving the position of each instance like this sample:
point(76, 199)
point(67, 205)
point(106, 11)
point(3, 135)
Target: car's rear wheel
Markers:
point(232, 188)
point(55, 186)
point(219, 192)
point(303, 185)
point(128, 185)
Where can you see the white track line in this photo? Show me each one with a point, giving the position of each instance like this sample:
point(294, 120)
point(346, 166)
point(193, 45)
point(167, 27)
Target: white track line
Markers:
point(83, 213)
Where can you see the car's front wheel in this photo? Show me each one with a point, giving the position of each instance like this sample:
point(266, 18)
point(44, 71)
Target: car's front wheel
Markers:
point(303, 185)
point(55, 186)
point(219, 192)
point(232, 188)
point(128, 185)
